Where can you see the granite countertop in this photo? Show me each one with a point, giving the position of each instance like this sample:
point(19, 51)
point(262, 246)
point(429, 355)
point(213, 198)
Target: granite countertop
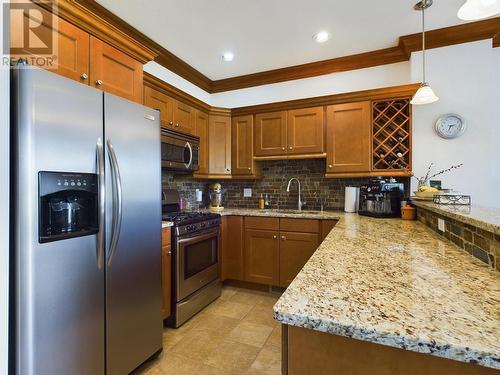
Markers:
point(397, 283)
point(319, 215)
point(487, 218)
point(166, 224)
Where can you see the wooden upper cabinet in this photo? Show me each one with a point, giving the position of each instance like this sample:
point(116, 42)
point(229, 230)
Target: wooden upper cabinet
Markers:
point(184, 117)
point(115, 72)
point(348, 137)
point(219, 145)
point(295, 251)
point(305, 131)
point(157, 100)
point(72, 44)
point(261, 256)
point(270, 134)
point(242, 145)
point(201, 130)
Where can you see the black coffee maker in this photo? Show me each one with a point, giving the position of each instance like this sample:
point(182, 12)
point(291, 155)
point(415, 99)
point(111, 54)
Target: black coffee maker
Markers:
point(380, 198)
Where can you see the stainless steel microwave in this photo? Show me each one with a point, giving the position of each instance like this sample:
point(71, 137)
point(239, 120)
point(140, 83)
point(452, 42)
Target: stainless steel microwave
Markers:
point(179, 152)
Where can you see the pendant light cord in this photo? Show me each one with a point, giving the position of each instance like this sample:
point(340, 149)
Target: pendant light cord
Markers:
point(423, 43)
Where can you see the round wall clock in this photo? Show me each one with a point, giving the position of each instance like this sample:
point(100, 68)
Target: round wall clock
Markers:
point(450, 125)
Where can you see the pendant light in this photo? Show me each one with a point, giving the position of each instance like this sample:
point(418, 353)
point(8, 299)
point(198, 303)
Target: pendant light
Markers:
point(424, 94)
point(478, 9)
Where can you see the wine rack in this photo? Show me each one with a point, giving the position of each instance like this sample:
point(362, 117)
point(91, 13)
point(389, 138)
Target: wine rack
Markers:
point(391, 127)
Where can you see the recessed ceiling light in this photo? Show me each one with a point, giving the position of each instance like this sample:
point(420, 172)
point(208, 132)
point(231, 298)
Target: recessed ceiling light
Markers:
point(228, 56)
point(321, 37)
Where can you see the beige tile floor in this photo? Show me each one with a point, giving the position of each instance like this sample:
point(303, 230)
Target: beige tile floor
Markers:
point(236, 334)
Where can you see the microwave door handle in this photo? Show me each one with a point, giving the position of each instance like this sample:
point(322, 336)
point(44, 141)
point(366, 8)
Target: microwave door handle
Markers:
point(188, 145)
point(117, 202)
point(101, 203)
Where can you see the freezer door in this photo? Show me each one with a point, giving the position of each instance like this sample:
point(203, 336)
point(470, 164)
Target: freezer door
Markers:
point(59, 303)
point(133, 249)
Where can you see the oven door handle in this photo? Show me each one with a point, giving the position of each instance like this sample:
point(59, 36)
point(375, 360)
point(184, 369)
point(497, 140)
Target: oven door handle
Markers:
point(197, 237)
point(190, 148)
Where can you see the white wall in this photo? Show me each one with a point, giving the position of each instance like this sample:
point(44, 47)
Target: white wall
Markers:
point(4, 206)
point(466, 78)
point(167, 76)
point(355, 80)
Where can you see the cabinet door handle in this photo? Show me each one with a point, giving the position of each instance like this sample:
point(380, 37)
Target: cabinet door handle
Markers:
point(84, 76)
point(283, 238)
point(330, 166)
point(170, 122)
point(176, 125)
point(283, 148)
point(249, 168)
point(275, 237)
point(98, 82)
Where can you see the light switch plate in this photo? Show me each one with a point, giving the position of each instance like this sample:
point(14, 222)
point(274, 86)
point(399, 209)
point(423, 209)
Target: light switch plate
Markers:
point(247, 192)
point(441, 225)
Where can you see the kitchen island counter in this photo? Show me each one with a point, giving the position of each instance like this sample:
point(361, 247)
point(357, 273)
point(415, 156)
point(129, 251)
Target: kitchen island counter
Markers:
point(399, 284)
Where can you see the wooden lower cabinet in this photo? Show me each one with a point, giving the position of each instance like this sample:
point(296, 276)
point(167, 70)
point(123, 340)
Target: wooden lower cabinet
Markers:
point(261, 256)
point(166, 275)
point(232, 256)
point(325, 227)
point(295, 250)
point(305, 351)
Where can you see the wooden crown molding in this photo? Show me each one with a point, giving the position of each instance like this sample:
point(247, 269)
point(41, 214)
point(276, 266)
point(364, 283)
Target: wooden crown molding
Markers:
point(81, 16)
point(99, 21)
point(446, 36)
point(162, 56)
point(172, 91)
point(372, 94)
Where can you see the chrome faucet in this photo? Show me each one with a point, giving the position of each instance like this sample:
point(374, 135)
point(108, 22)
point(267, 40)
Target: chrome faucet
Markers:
point(299, 203)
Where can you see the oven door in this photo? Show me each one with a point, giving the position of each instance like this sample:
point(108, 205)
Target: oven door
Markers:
point(197, 261)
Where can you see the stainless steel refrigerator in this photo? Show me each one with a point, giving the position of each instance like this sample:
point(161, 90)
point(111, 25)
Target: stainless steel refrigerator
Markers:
point(87, 237)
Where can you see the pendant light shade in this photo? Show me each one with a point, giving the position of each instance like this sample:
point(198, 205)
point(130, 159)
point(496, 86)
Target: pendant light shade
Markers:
point(478, 9)
point(425, 94)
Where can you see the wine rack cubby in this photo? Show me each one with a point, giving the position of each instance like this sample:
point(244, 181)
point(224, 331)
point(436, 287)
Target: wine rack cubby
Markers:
point(391, 127)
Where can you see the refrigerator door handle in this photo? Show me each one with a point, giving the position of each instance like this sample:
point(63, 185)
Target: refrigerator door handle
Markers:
point(117, 201)
point(101, 203)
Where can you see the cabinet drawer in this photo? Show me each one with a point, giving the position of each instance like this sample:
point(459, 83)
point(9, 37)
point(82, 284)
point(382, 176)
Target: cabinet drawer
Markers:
point(300, 225)
point(265, 223)
point(165, 236)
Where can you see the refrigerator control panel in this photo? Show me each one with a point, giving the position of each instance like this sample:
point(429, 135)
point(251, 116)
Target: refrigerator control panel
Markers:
point(67, 205)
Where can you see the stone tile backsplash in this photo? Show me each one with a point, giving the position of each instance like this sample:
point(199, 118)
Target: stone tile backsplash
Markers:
point(479, 243)
point(275, 176)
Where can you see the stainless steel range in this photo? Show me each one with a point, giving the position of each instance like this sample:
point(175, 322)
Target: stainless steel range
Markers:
point(195, 249)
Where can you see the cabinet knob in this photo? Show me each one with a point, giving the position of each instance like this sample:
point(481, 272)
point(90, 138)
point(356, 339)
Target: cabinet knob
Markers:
point(170, 122)
point(228, 170)
point(283, 238)
point(98, 82)
point(275, 237)
point(291, 148)
point(249, 168)
point(84, 76)
point(283, 148)
point(330, 166)
point(176, 125)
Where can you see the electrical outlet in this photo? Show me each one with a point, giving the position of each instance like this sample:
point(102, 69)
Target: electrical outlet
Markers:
point(441, 226)
point(247, 193)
